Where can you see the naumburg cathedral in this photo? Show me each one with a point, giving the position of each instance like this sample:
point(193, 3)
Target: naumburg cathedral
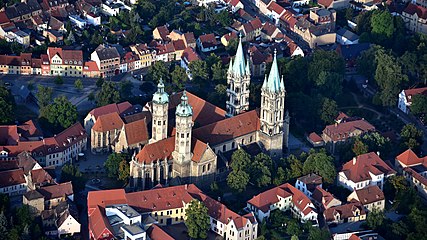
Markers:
point(188, 133)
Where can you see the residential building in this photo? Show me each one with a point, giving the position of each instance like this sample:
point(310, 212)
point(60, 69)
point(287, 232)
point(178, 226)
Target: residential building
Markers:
point(67, 63)
point(335, 4)
point(52, 151)
point(415, 18)
point(161, 33)
point(346, 37)
point(22, 11)
point(275, 11)
point(284, 197)
point(323, 199)
point(319, 29)
point(343, 130)
point(188, 38)
point(166, 206)
point(363, 171)
point(107, 59)
point(308, 183)
point(226, 38)
point(144, 54)
point(259, 59)
point(414, 169)
point(93, 19)
point(251, 30)
point(270, 32)
point(351, 53)
point(188, 55)
point(207, 42)
point(370, 197)
point(90, 69)
point(79, 22)
point(406, 96)
point(350, 212)
point(12, 182)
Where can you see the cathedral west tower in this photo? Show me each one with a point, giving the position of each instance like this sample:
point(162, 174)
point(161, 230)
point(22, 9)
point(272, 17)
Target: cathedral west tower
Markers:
point(238, 80)
point(273, 118)
point(160, 114)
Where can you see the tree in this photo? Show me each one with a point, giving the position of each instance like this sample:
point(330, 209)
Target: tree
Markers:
point(294, 167)
point(261, 169)
point(377, 143)
point(179, 77)
point(321, 164)
point(44, 95)
point(294, 237)
point(115, 167)
point(197, 220)
point(108, 94)
point(124, 170)
point(411, 136)
point(240, 160)
point(375, 219)
point(293, 228)
point(4, 230)
point(382, 25)
point(359, 147)
point(280, 176)
point(232, 46)
point(61, 113)
point(4, 202)
point(199, 70)
point(318, 234)
point(125, 89)
point(58, 80)
point(7, 103)
point(96, 39)
point(158, 71)
point(329, 111)
point(78, 84)
point(71, 173)
point(218, 73)
point(419, 104)
point(99, 82)
point(238, 180)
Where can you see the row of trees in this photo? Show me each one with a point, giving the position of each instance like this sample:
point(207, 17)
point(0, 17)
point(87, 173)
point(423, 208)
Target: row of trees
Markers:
point(7, 103)
point(262, 171)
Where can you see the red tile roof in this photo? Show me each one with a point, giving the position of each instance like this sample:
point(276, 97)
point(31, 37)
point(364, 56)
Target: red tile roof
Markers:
point(311, 181)
point(190, 55)
point(409, 93)
point(163, 32)
point(416, 175)
point(3, 18)
point(274, 7)
point(365, 165)
point(345, 211)
point(314, 137)
point(108, 122)
point(40, 176)
point(369, 195)
point(229, 128)
point(409, 158)
point(114, 107)
point(325, 3)
point(341, 131)
point(136, 132)
point(419, 10)
point(289, 19)
point(322, 197)
point(56, 191)
point(179, 45)
point(12, 177)
point(90, 66)
point(156, 233)
point(9, 135)
point(208, 40)
point(230, 35)
point(263, 200)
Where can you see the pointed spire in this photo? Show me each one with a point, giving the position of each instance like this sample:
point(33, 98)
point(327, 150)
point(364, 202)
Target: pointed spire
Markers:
point(264, 84)
point(273, 82)
point(230, 66)
point(239, 61)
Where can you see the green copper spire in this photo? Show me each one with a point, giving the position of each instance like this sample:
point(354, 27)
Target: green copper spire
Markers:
point(160, 96)
point(273, 82)
point(239, 61)
point(230, 66)
point(184, 109)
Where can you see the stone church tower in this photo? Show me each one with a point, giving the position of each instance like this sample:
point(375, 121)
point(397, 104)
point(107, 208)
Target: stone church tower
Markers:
point(160, 114)
point(238, 80)
point(184, 123)
point(274, 120)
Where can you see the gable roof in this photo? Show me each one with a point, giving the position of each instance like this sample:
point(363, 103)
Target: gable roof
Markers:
point(341, 131)
point(323, 197)
point(190, 55)
point(56, 191)
point(208, 40)
point(311, 181)
point(411, 172)
point(136, 132)
point(157, 233)
point(108, 122)
point(369, 194)
point(409, 93)
point(229, 128)
point(114, 107)
point(11, 177)
point(416, 9)
point(360, 168)
point(345, 211)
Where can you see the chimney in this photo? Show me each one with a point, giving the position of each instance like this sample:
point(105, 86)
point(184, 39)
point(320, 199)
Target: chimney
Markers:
point(378, 153)
point(219, 199)
point(186, 186)
point(354, 160)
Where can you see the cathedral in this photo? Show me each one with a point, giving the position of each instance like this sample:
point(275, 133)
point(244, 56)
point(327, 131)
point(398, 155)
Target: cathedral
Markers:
point(188, 133)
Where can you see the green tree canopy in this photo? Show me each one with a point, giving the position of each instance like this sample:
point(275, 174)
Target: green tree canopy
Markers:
point(7, 103)
point(419, 104)
point(61, 113)
point(179, 78)
point(199, 70)
point(125, 90)
point(238, 180)
point(115, 166)
point(329, 111)
point(382, 25)
point(321, 164)
point(375, 219)
point(78, 84)
point(71, 173)
point(197, 220)
point(412, 137)
point(124, 170)
point(108, 94)
point(359, 147)
point(158, 71)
